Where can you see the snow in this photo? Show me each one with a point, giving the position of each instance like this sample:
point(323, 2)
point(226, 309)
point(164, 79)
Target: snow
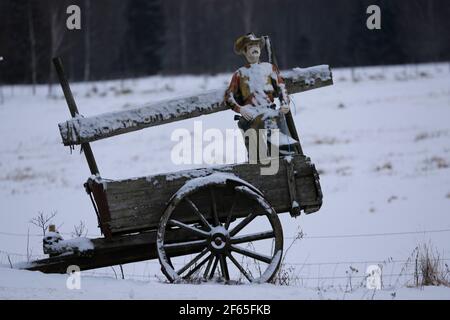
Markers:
point(82, 128)
point(18, 284)
point(281, 139)
point(263, 110)
point(257, 75)
point(73, 245)
point(99, 180)
point(212, 179)
point(195, 173)
point(308, 75)
point(53, 234)
point(381, 145)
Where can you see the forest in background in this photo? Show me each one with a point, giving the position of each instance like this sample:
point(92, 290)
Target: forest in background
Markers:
point(132, 38)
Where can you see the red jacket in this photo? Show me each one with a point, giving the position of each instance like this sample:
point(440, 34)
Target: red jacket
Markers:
point(257, 85)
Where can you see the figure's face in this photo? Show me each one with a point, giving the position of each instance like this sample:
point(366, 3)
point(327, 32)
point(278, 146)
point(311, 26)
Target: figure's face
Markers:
point(252, 53)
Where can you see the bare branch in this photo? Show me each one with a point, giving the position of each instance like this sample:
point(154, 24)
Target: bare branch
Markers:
point(80, 230)
point(43, 221)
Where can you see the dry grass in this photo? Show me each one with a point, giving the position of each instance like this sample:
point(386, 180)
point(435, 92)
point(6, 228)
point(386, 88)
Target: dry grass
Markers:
point(344, 171)
point(438, 162)
point(329, 141)
point(392, 198)
point(21, 174)
point(387, 167)
point(28, 174)
point(431, 135)
point(430, 269)
point(285, 275)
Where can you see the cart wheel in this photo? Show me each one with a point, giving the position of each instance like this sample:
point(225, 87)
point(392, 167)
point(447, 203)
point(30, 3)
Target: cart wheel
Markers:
point(219, 246)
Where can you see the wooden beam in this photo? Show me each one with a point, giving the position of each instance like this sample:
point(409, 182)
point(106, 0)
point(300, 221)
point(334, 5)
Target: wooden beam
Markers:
point(110, 252)
point(82, 130)
point(86, 147)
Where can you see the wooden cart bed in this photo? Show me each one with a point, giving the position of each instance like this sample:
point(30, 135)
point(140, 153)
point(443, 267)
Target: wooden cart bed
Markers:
point(133, 205)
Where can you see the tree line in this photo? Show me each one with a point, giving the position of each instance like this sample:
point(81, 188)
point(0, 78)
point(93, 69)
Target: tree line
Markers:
point(132, 38)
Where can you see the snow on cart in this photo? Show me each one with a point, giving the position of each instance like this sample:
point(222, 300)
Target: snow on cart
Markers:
point(216, 223)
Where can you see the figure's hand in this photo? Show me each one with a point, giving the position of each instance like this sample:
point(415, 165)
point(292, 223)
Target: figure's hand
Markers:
point(247, 112)
point(284, 108)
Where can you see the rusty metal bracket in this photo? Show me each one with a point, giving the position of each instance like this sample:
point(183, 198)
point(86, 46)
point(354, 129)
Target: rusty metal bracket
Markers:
point(97, 194)
point(94, 205)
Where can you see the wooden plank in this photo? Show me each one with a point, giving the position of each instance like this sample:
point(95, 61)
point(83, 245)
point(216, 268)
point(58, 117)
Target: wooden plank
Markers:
point(81, 130)
point(114, 251)
point(137, 204)
point(74, 112)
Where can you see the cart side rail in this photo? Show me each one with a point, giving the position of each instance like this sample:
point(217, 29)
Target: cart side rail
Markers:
point(137, 204)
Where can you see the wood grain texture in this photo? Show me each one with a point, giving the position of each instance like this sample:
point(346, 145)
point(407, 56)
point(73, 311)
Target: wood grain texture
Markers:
point(137, 204)
point(86, 129)
point(110, 252)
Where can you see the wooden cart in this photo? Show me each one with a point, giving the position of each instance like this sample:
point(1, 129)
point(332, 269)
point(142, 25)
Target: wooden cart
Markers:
point(209, 218)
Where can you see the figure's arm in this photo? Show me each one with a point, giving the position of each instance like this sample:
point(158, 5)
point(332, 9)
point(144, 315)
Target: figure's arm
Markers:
point(231, 92)
point(280, 87)
point(230, 98)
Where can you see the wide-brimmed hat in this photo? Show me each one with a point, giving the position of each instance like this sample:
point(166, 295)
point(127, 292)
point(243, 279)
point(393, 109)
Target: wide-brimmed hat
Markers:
point(243, 41)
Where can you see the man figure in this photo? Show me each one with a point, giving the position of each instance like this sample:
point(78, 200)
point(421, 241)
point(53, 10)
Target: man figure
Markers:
point(254, 86)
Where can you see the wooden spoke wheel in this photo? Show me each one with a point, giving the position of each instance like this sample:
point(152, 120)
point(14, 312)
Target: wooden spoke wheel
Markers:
point(228, 233)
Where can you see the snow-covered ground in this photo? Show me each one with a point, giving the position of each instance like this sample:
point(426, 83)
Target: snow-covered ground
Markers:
point(17, 284)
point(382, 145)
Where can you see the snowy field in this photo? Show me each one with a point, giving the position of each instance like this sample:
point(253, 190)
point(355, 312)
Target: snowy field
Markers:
point(381, 144)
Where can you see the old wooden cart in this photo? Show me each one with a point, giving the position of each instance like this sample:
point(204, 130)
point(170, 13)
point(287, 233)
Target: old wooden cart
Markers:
point(209, 219)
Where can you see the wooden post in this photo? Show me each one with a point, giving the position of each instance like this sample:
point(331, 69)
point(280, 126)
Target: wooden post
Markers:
point(86, 147)
point(288, 117)
point(293, 131)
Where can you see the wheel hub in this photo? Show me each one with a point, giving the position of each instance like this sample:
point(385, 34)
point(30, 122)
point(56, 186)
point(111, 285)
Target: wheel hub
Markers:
point(219, 239)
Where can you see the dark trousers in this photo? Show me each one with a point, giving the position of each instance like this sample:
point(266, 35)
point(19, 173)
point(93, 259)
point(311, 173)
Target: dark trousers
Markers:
point(257, 124)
